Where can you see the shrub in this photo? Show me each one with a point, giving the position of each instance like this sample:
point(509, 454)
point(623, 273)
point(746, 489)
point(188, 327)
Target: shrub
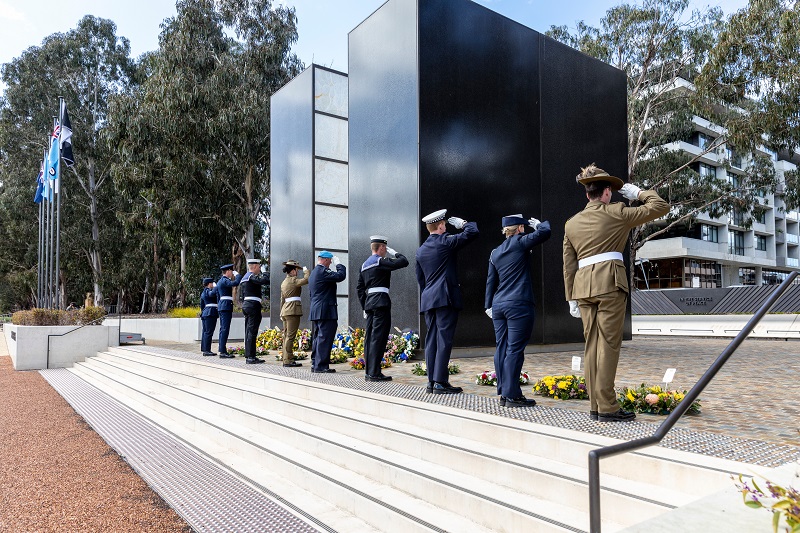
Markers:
point(57, 317)
point(184, 312)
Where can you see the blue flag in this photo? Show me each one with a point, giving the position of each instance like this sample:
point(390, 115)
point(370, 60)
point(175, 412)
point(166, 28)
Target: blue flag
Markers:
point(66, 139)
point(39, 184)
point(53, 158)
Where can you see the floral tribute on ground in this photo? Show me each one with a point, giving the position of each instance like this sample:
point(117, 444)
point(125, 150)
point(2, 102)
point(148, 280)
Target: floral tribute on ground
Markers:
point(272, 339)
point(348, 343)
point(400, 348)
point(562, 387)
point(489, 377)
point(653, 400)
point(420, 369)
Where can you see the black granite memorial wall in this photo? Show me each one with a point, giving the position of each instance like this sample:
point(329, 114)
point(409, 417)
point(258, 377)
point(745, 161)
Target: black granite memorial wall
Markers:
point(455, 106)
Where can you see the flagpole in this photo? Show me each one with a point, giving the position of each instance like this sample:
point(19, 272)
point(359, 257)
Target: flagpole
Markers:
point(46, 237)
point(39, 256)
point(58, 203)
point(50, 290)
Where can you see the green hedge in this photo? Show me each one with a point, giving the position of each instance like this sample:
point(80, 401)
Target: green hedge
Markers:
point(184, 312)
point(57, 317)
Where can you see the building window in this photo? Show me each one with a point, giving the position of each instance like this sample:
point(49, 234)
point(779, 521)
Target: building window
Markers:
point(736, 242)
point(678, 273)
point(747, 276)
point(706, 171)
point(702, 274)
point(734, 159)
point(700, 139)
point(709, 233)
point(761, 243)
point(776, 277)
point(736, 218)
point(761, 217)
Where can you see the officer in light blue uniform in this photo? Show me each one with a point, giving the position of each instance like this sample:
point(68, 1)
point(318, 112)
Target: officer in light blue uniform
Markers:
point(323, 314)
point(208, 314)
point(230, 279)
point(440, 293)
point(510, 305)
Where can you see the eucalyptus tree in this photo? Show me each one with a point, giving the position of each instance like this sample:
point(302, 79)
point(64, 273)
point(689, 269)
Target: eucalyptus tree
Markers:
point(662, 47)
point(85, 65)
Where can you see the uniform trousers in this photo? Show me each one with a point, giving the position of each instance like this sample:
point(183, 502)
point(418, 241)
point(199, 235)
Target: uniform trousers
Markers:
point(291, 323)
point(513, 324)
point(603, 319)
point(224, 328)
point(378, 324)
point(441, 323)
point(209, 325)
point(252, 319)
point(321, 343)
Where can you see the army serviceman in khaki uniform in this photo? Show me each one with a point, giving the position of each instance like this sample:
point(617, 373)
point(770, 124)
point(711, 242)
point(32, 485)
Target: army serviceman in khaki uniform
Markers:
point(291, 308)
point(596, 280)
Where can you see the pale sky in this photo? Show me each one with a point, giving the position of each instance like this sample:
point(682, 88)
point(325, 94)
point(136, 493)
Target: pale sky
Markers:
point(323, 25)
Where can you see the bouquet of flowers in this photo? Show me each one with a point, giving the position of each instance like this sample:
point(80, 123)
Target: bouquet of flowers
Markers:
point(358, 363)
point(420, 369)
point(487, 378)
point(302, 341)
point(270, 339)
point(562, 387)
point(394, 348)
point(236, 350)
point(654, 400)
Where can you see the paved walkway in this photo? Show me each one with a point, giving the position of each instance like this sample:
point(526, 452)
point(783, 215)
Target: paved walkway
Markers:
point(752, 397)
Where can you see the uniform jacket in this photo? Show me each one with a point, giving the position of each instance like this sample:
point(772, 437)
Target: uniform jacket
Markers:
point(509, 277)
point(377, 272)
point(436, 268)
point(292, 287)
point(225, 288)
point(208, 296)
point(601, 228)
point(322, 290)
point(250, 285)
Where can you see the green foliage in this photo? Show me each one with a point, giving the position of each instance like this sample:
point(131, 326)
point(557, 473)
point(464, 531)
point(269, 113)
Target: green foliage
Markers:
point(57, 317)
point(783, 502)
point(184, 312)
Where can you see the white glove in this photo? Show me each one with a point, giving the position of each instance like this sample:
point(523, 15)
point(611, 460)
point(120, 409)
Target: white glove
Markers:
point(305, 270)
point(574, 310)
point(534, 223)
point(489, 312)
point(365, 315)
point(214, 284)
point(235, 273)
point(456, 222)
point(335, 261)
point(263, 268)
point(391, 251)
point(630, 191)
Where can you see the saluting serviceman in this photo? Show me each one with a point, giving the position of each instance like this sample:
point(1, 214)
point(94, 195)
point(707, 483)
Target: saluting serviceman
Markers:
point(208, 314)
point(510, 305)
point(291, 308)
point(440, 293)
point(251, 307)
point(230, 279)
point(373, 293)
point(596, 280)
point(324, 315)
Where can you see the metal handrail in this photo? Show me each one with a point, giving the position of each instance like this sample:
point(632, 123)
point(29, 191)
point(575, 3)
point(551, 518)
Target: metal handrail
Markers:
point(679, 411)
point(47, 363)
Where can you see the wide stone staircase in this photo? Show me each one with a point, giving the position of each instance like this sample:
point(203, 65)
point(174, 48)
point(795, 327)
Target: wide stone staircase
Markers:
point(360, 461)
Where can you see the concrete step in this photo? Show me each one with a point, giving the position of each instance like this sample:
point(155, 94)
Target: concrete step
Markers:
point(452, 469)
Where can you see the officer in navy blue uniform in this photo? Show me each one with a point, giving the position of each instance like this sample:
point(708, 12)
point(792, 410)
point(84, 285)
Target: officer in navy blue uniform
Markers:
point(510, 304)
point(440, 293)
point(230, 279)
point(208, 314)
point(323, 314)
point(373, 293)
point(250, 286)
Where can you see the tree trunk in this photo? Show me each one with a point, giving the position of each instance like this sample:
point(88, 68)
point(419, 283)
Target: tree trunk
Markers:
point(144, 296)
point(182, 294)
point(97, 267)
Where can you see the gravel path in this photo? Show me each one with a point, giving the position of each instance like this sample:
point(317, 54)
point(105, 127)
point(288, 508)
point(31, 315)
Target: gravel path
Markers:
point(57, 474)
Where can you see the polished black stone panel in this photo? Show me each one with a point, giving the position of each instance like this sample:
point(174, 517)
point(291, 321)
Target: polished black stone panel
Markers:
point(453, 105)
point(292, 172)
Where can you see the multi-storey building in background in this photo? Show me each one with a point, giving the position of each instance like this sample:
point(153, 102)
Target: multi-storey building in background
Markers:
point(721, 252)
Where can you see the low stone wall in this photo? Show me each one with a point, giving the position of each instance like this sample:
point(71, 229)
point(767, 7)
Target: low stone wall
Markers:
point(27, 345)
point(785, 326)
point(180, 329)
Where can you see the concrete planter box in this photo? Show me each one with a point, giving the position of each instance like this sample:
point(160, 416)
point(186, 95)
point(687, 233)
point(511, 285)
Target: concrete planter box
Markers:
point(27, 345)
point(785, 326)
point(180, 329)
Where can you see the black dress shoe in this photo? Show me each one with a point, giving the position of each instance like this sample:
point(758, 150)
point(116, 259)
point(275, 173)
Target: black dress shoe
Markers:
point(502, 401)
point(323, 371)
point(293, 364)
point(226, 356)
point(522, 401)
point(445, 388)
point(379, 377)
point(207, 354)
point(593, 415)
point(617, 416)
point(429, 387)
point(253, 360)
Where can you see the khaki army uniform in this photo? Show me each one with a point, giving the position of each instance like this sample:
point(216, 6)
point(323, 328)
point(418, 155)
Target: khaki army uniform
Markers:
point(597, 237)
point(291, 311)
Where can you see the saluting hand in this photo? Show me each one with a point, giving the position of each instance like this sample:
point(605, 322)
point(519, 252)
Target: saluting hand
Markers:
point(391, 252)
point(630, 191)
point(534, 223)
point(456, 222)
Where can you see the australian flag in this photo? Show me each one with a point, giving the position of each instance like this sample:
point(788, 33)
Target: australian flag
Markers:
point(39, 185)
point(66, 140)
